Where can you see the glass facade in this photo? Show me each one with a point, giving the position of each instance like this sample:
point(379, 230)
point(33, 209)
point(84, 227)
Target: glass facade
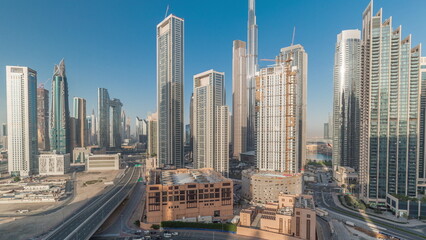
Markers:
point(347, 69)
point(391, 123)
point(60, 140)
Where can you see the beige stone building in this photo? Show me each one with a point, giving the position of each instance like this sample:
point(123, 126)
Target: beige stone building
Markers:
point(103, 162)
point(265, 186)
point(188, 193)
point(293, 217)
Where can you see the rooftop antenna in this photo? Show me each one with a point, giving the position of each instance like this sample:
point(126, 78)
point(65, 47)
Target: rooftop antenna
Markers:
point(294, 34)
point(167, 10)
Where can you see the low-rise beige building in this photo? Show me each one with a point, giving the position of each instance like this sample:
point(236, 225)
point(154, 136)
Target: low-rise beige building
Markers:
point(151, 163)
point(346, 176)
point(53, 164)
point(188, 193)
point(265, 186)
point(103, 162)
point(293, 216)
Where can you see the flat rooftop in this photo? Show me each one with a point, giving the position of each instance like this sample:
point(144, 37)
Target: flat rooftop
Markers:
point(185, 176)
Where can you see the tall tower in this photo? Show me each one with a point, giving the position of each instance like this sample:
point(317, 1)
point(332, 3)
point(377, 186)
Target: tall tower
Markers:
point(103, 118)
point(239, 98)
point(211, 140)
point(252, 68)
point(21, 95)
point(43, 118)
point(298, 65)
point(60, 113)
point(94, 129)
point(390, 116)
point(347, 74)
point(152, 134)
point(170, 67)
point(115, 127)
point(79, 106)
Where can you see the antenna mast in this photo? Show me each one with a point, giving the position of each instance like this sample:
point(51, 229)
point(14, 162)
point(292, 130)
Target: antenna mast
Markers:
point(294, 34)
point(167, 10)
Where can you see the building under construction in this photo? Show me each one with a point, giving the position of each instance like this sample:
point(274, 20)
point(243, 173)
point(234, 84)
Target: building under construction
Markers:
point(281, 112)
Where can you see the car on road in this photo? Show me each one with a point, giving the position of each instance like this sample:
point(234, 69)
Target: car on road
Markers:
point(175, 233)
point(167, 235)
point(146, 232)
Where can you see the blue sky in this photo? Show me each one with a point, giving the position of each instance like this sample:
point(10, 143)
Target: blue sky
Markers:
point(111, 43)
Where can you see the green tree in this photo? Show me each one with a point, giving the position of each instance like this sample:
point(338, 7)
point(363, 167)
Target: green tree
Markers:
point(137, 223)
point(17, 179)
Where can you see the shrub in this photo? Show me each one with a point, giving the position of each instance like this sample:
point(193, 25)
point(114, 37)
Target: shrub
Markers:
point(219, 226)
point(155, 226)
point(137, 223)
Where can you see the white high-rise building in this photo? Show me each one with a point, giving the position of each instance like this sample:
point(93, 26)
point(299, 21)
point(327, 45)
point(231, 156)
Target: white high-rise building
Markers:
point(299, 65)
point(281, 112)
point(21, 92)
point(211, 122)
point(347, 74)
point(170, 67)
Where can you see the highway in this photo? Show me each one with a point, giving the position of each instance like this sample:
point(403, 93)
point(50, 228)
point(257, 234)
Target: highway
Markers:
point(85, 222)
point(324, 199)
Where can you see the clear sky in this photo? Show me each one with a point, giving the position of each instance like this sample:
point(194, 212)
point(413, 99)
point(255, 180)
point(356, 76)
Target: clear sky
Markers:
point(111, 43)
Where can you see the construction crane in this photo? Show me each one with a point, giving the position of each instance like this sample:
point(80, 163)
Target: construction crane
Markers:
point(290, 107)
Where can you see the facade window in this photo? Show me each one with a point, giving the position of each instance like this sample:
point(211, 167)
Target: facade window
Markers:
point(308, 229)
point(217, 213)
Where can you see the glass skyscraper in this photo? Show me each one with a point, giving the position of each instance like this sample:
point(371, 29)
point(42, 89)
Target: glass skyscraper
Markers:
point(390, 110)
point(103, 118)
point(60, 115)
point(347, 73)
point(170, 67)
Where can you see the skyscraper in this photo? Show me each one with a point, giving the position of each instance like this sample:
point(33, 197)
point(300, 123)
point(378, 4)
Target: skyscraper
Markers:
point(211, 140)
point(239, 98)
point(141, 130)
point(21, 95)
point(422, 134)
point(298, 65)
point(103, 118)
point(347, 73)
point(152, 134)
point(60, 114)
point(109, 114)
point(115, 127)
point(94, 129)
point(79, 106)
point(252, 68)
point(170, 60)
point(281, 116)
point(390, 116)
point(43, 118)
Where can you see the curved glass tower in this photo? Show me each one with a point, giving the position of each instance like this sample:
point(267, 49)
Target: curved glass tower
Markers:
point(60, 113)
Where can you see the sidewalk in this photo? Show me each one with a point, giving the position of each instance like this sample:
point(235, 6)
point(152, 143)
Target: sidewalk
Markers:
point(410, 223)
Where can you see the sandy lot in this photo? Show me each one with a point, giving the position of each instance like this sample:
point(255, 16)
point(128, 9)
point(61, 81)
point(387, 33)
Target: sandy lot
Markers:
point(36, 225)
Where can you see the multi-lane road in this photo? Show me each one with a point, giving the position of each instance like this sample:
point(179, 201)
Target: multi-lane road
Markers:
point(324, 199)
point(84, 223)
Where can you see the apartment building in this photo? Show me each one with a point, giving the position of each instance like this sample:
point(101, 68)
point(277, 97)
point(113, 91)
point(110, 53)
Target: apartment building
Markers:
point(188, 193)
point(293, 217)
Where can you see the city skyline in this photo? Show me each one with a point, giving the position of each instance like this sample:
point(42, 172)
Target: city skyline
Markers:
point(95, 66)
